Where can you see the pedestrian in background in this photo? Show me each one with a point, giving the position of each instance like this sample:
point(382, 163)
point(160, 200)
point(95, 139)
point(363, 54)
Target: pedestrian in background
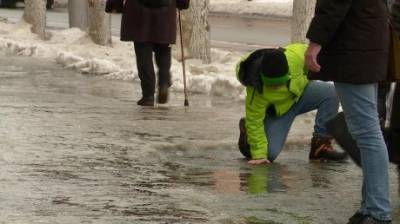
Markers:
point(151, 25)
point(349, 43)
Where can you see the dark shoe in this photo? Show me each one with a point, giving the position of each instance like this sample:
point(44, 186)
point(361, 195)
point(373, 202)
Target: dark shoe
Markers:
point(337, 127)
point(321, 149)
point(244, 146)
point(356, 218)
point(162, 97)
point(146, 101)
point(370, 220)
point(398, 176)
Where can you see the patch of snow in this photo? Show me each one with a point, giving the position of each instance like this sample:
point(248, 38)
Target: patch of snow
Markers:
point(73, 49)
point(275, 8)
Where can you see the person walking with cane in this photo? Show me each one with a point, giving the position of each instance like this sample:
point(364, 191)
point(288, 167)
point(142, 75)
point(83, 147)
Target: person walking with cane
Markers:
point(151, 25)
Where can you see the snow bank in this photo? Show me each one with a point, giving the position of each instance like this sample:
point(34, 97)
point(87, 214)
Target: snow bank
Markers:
point(276, 8)
point(273, 8)
point(74, 50)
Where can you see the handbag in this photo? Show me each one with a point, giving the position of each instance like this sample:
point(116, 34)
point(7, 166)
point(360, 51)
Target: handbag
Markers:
point(182, 4)
point(155, 3)
point(394, 56)
point(114, 6)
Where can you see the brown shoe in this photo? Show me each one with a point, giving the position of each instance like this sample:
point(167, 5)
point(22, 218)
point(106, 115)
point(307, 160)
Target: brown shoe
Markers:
point(162, 97)
point(322, 150)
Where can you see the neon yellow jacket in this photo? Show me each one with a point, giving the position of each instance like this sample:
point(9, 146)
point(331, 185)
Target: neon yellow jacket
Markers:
point(282, 99)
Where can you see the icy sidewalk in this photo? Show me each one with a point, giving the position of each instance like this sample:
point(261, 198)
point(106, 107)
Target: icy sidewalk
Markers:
point(73, 50)
point(76, 149)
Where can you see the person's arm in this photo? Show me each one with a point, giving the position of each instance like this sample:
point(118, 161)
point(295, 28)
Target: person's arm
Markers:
point(329, 15)
point(311, 56)
point(256, 107)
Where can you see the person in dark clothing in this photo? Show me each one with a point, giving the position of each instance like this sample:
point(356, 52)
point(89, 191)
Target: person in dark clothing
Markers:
point(395, 113)
point(349, 42)
point(151, 25)
point(394, 128)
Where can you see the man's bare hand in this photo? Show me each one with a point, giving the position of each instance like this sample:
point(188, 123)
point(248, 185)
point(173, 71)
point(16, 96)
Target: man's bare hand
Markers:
point(258, 161)
point(311, 57)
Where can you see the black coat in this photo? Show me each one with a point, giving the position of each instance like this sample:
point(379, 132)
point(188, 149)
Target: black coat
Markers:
point(141, 24)
point(355, 39)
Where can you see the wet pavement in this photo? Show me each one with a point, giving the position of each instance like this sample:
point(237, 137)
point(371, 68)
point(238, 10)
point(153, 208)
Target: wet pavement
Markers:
point(76, 149)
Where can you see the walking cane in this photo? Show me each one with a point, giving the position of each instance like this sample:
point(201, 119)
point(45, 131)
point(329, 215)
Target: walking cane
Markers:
point(183, 61)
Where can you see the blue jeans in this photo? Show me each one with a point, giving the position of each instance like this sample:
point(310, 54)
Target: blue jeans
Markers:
point(359, 104)
point(317, 95)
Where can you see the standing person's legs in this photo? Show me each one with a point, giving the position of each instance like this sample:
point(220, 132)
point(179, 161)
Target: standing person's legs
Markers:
point(163, 61)
point(395, 130)
point(144, 61)
point(359, 104)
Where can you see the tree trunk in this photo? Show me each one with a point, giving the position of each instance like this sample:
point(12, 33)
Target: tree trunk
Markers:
point(303, 12)
point(99, 21)
point(35, 14)
point(78, 14)
point(196, 31)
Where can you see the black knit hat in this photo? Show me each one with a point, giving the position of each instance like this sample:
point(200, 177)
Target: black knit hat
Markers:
point(274, 67)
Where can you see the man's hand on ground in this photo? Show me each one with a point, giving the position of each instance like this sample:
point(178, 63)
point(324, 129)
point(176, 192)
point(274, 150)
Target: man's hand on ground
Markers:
point(311, 57)
point(258, 161)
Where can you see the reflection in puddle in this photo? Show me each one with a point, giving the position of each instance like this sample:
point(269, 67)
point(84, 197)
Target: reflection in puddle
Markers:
point(273, 178)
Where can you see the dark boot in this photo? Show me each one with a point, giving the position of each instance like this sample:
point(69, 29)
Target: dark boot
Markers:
point(337, 127)
point(162, 97)
point(146, 101)
point(244, 146)
point(321, 149)
point(370, 220)
point(356, 218)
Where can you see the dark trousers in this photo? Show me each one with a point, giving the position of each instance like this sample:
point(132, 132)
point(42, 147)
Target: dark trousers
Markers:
point(383, 90)
point(394, 143)
point(144, 61)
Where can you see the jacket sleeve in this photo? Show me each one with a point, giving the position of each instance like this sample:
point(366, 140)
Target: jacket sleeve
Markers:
point(295, 56)
point(256, 107)
point(329, 14)
point(396, 15)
